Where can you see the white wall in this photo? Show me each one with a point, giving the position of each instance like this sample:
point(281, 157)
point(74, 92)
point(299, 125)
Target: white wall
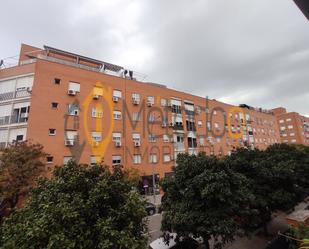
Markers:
point(17, 131)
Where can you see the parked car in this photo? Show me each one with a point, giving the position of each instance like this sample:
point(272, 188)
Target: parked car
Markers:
point(150, 208)
point(188, 243)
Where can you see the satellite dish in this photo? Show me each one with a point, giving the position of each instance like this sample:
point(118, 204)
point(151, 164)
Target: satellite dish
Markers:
point(1, 63)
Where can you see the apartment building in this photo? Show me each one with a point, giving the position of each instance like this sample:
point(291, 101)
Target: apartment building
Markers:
point(294, 128)
point(90, 110)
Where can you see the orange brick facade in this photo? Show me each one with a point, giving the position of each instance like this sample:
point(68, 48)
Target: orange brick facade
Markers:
point(294, 128)
point(84, 109)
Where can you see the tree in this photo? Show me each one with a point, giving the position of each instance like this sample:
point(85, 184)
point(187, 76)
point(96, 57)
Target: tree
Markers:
point(20, 166)
point(204, 199)
point(80, 207)
point(278, 178)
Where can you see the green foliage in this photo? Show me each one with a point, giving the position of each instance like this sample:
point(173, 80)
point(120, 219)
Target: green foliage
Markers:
point(21, 165)
point(211, 197)
point(204, 199)
point(80, 207)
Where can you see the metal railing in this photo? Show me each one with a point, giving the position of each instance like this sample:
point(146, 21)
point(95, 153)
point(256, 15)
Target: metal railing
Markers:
point(15, 94)
point(13, 119)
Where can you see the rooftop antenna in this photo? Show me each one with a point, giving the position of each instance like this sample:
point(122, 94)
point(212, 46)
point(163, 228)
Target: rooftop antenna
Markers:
point(1, 63)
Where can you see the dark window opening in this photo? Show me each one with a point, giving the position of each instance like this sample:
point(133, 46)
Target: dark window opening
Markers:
point(54, 105)
point(49, 159)
point(57, 81)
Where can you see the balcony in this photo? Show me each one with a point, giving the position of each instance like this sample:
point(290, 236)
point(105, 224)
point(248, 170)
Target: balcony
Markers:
point(178, 127)
point(6, 120)
point(190, 113)
point(16, 94)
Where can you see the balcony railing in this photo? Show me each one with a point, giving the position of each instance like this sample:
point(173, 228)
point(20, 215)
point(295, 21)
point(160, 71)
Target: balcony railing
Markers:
point(15, 94)
point(177, 127)
point(189, 113)
point(6, 120)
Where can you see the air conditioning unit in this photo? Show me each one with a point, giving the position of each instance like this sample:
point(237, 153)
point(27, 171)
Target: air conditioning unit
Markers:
point(96, 97)
point(71, 92)
point(115, 99)
point(118, 143)
point(137, 144)
point(24, 115)
point(69, 142)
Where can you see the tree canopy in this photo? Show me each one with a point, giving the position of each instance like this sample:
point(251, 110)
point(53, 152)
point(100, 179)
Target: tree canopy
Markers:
point(214, 197)
point(21, 165)
point(204, 199)
point(80, 207)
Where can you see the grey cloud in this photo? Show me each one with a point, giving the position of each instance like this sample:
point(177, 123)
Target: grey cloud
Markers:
point(251, 51)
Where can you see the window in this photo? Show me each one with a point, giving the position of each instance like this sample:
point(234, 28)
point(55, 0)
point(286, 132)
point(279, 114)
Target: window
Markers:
point(136, 116)
point(288, 120)
point(151, 118)
point(190, 125)
point(135, 98)
point(290, 126)
point(137, 159)
point(150, 100)
point(292, 134)
point(49, 159)
point(281, 121)
point(209, 126)
point(117, 115)
point(202, 141)
point(96, 136)
point(97, 113)
point(282, 128)
point(153, 158)
point(57, 81)
point(176, 109)
point(214, 112)
point(97, 92)
point(93, 160)
point(165, 138)
point(192, 142)
point(19, 138)
point(116, 160)
point(117, 93)
point(116, 136)
point(136, 137)
point(200, 123)
point(66, 159)
point(74, 86)
point(152, 138)
point(166, 157)
point(54, 105)
point(70, 137)
point(293, 140)
point(163, 102)
point(52, 132)
point(73, 109)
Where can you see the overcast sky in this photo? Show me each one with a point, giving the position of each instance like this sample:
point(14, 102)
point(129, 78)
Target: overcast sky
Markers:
point(237, 51)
